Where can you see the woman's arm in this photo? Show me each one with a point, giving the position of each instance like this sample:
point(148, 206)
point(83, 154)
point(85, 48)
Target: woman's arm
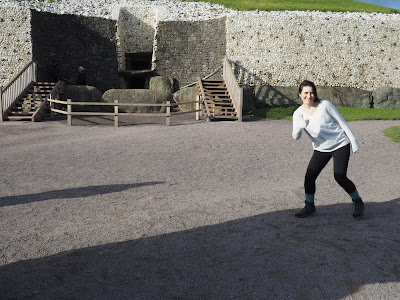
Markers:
point(298, 125)
point(332, 110)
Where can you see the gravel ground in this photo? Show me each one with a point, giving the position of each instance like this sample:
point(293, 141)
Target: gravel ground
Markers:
point(196, 210)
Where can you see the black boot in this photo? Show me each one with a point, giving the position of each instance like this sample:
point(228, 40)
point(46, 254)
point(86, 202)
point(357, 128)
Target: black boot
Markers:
point(309, 209)
point(358, 208)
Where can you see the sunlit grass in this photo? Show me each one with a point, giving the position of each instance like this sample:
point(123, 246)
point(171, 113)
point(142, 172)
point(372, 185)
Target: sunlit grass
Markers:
point(321, 5)
point(348, 113)
point(393, 133)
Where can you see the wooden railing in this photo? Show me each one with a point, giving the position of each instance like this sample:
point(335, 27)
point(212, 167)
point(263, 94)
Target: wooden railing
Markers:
point(69, 104)
point(16, 87)
point(234, 89)
point(203, 96)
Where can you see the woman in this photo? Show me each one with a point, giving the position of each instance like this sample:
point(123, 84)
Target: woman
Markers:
point(331, 136)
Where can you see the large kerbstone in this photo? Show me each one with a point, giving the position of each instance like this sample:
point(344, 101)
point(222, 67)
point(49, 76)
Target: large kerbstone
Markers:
point(188, 94)
point(346, 96)
point(82, 93)
point(160, 91)
point(275, 96)
point(387, 97)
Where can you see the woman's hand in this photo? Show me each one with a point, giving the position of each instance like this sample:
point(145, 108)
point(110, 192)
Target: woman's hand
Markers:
point(305, 120)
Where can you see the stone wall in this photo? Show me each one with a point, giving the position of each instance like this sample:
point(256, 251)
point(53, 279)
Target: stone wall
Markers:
point(332, 49)
point(76, 40)
point(187, 50)
point(15, 42)
point(136, 27)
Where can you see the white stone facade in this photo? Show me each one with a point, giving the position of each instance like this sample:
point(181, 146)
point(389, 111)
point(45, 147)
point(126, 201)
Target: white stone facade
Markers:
point(15, 42)
point(333, 49)
point(357, 50)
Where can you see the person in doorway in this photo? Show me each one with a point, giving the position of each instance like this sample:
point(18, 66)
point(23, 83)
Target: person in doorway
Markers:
point(55, 71)
point(331, 136)
point(81, 80)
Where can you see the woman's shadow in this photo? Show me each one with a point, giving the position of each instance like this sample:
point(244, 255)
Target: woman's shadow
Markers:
point(78, 192)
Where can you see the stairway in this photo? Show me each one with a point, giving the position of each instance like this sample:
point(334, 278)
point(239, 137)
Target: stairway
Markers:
point(217, 102)
point(31, 104)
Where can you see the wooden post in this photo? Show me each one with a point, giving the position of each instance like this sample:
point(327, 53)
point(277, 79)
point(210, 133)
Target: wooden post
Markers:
point(168, 120)
point(240, 112)
point(198, 108)
point(69, 110)
point(116, 113)
point(51, 107)
point(1, 104)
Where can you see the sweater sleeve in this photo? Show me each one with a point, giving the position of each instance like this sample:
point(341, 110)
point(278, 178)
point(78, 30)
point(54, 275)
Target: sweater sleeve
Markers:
point(298, 125)
point(332, 110)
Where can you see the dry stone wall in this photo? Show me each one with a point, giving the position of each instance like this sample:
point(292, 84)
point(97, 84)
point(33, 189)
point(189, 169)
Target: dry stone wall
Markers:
point(187, 50)
point(332, 49)
point(72, 41)
point(15, 42)
point(136, 29)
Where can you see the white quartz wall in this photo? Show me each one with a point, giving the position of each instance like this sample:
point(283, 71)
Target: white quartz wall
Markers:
point(15, 42)
point(334, 49)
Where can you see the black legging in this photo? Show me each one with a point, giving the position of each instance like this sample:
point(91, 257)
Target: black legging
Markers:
point(340, 162)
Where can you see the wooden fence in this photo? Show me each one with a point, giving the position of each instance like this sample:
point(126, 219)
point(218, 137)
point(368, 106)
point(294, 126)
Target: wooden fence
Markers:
point(168, 114)
point(18, 84)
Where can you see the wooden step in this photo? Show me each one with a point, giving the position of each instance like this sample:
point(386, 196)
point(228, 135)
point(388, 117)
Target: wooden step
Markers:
point(225, 117)
point(212, 81)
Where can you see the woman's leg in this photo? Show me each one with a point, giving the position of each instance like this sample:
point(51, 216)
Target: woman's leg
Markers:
point(317, 163)
point(340, 164)
point(341, 158)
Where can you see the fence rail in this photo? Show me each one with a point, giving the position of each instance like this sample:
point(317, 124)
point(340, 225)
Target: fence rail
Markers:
point(235, 90)
point(18, 84)
point(69, 104)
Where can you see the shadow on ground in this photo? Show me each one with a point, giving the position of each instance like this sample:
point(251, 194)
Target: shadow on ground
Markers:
point(268, 256)
point(86, 191)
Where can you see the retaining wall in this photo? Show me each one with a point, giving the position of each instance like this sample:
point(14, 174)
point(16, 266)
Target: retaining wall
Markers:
point(15, 42)
point(187, 50)
point(332, 49)
point(77, 40)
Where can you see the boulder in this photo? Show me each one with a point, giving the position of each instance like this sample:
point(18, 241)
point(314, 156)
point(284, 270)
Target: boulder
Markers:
point(160, 91)
point(387, 97)
point(188, 94)
point(248, 98)
point(346, 96)
point(83, 93)
point(275, 96)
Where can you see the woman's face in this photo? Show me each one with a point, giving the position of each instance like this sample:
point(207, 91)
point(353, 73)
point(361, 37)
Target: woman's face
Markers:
point(307, 95)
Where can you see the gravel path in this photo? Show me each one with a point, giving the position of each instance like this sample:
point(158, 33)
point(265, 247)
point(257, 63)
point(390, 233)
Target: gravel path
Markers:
point(192, 211)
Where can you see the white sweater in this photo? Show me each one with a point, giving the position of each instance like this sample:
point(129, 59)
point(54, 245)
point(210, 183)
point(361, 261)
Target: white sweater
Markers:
point(326, 128)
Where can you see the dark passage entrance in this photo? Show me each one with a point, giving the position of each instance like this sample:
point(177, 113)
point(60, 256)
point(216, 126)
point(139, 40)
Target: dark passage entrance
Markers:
point(138, 70)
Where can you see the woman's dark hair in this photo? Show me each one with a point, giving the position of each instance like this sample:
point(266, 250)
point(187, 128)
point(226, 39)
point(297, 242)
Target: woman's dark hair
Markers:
point(309, 83)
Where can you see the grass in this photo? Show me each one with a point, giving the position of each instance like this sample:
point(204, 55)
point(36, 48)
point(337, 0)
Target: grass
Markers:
point(393, 133)
point(348, 113)
point(321, 5)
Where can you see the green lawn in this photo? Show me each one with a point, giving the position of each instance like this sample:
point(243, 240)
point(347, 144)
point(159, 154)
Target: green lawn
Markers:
point(393, 133)
point(321, 5)
point(348, 113)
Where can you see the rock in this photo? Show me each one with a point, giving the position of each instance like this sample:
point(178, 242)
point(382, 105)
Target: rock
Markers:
point(248, 98)
point(83, 93)
point(345, 96)
point(275, 96)
point(160, 91)
point(387, 97)
point(188, 94)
